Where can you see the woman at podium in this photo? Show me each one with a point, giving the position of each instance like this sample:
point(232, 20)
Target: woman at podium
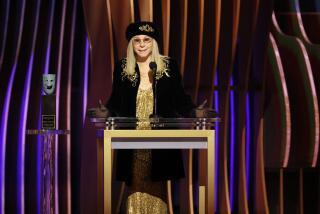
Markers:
point(140, 80)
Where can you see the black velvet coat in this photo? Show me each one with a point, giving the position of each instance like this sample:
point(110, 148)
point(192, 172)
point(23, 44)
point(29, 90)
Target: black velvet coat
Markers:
point(171, 102)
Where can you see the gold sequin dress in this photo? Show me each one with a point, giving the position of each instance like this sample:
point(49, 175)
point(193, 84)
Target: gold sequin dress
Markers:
point(145, 195)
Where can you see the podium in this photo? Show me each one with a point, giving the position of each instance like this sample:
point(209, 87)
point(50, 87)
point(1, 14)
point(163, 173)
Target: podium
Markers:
point(49, 180)
point(164, 133)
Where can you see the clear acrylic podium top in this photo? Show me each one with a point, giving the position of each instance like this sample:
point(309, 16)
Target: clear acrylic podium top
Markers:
point(155, 123)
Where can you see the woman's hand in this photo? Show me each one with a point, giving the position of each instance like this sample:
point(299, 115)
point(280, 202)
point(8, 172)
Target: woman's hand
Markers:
point(203, 112)
point(101, 111)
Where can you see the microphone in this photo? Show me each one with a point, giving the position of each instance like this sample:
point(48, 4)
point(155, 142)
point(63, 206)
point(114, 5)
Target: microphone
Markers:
point(153, 67)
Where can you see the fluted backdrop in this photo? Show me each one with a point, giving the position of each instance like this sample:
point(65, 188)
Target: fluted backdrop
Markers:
point(255, 61)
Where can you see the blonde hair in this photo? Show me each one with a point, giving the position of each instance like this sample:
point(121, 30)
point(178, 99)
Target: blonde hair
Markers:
point(155, 56)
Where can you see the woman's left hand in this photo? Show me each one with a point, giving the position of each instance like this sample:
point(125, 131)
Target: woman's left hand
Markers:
point(204, 112)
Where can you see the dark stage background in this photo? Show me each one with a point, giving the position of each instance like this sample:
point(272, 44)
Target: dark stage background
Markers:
point(256, 61)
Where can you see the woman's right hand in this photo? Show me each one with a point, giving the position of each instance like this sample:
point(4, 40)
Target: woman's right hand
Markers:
point(100, 112)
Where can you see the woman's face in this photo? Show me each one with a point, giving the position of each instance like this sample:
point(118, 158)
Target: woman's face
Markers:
point(142, 46)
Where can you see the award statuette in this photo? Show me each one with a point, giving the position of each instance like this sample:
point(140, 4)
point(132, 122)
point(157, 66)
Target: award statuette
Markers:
point(48, 119)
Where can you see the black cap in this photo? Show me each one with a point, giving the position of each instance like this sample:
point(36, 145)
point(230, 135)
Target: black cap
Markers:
point(142, 28)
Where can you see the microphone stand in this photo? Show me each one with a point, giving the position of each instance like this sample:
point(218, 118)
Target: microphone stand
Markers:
point(155, 115)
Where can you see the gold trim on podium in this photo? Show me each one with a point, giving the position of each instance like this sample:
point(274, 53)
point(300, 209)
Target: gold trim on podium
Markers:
point(204, 140)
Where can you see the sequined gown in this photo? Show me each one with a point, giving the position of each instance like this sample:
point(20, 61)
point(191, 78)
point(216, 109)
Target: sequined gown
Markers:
point(145, 195)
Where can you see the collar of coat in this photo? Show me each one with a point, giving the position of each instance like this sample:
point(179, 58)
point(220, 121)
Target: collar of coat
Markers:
point(133, 78)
